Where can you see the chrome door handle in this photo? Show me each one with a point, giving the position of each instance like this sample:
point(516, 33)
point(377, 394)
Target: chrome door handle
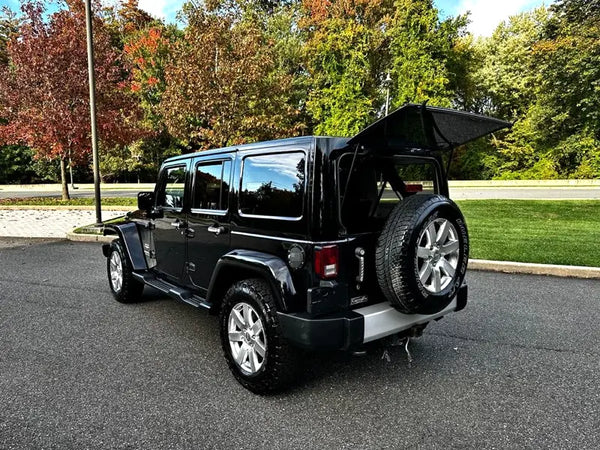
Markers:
point(216, 229)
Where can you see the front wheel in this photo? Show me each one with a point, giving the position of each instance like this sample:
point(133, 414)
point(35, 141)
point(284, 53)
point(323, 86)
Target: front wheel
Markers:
point(257, 354)
point(124, 287)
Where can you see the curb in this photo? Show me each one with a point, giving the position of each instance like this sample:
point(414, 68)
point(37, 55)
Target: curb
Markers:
point(474, 264)
point(535, 269)
point(89, 237)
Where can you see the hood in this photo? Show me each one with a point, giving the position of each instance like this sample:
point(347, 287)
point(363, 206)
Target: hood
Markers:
point(425, 127)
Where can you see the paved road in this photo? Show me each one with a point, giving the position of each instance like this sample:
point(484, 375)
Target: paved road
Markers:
point(525, 193)
point(517, 369)
point(457, 193)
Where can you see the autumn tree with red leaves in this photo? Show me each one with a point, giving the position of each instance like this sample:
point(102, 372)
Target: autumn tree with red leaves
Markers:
point(44, 100)
point(222, 86)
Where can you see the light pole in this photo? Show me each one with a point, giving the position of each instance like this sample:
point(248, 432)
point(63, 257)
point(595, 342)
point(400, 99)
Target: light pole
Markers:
point(387, 84)
point(92, 83)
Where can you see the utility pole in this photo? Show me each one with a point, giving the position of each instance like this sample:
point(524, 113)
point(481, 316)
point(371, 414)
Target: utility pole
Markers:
point(92, 83)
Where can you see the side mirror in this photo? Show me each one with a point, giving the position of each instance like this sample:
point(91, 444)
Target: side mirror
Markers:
point(145, 201)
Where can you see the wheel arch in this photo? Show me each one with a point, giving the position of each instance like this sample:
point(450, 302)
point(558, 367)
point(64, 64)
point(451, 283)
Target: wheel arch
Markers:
point(243, 264)
point(132, 243)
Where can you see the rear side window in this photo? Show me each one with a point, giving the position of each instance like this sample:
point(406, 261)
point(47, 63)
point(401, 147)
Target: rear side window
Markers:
point(211, 185)
point(273, 185)
point(171, 196)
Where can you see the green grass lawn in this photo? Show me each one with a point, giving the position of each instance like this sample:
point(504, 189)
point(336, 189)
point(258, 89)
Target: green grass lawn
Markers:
point(538, 231)
point(56, 201)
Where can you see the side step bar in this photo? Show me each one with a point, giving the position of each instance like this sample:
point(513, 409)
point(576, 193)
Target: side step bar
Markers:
point(171, 290)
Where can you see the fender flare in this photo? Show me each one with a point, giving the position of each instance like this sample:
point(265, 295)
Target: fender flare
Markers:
point(129, 235)
point(270, 267)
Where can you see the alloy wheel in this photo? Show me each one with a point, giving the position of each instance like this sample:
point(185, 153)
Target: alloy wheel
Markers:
point(247, 338)
point(437, 255)
point(116, 271)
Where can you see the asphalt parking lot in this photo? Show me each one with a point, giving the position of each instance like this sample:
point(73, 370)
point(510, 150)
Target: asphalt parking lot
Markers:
point(518, 368)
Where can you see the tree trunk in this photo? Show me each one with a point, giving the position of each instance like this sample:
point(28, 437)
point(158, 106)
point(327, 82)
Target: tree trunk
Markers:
point(63, 179)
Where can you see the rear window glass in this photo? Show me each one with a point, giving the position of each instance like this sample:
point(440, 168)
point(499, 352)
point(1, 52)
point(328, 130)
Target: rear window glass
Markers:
point(273, 185)
point(376, 185)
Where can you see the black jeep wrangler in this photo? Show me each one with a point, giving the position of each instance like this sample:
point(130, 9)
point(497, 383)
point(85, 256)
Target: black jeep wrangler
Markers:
point(308, 242)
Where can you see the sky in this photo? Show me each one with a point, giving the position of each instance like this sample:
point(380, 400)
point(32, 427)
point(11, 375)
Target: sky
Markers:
point(485, 14)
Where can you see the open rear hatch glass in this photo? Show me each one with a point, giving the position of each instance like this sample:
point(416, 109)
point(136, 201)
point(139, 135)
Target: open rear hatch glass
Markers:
point(421, 127)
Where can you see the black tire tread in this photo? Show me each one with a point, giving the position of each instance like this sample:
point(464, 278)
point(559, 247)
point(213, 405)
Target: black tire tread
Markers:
point(394, 266)
point(281, 362)
point(132, 289)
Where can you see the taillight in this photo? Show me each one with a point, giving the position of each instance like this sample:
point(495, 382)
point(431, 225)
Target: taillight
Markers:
point(326, 261)
point(413, 188)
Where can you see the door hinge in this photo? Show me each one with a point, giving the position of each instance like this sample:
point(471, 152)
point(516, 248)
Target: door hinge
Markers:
point(190, 267)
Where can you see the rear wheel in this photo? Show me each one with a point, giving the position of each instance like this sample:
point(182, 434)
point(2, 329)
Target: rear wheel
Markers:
point(124, 287)
point(257, 354)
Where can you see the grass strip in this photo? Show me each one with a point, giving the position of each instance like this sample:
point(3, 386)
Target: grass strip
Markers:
point(57, 201)
point(536, 231)
point(98, 230)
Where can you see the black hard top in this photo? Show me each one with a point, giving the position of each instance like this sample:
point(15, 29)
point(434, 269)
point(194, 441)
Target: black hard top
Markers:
point(330, 143)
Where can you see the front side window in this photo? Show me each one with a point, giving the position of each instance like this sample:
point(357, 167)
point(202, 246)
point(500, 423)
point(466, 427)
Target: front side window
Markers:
point(273, 185)
point(211, 186)
point(173, 190)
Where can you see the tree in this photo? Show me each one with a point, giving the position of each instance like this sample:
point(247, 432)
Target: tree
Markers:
point(420, 48)
point(344, 59)
point(44, 89)
point(9, 26)
point(509, 73)
point(221, 84)
point(567, 111)
point(503, 79)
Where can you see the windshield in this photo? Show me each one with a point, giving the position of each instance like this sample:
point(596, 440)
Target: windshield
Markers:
point(377, 184)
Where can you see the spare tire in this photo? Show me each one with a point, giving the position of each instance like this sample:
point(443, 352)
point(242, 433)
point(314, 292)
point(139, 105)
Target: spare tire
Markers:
point(422, 254)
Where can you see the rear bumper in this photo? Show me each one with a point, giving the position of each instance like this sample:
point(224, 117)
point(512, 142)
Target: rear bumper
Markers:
point(359, 326)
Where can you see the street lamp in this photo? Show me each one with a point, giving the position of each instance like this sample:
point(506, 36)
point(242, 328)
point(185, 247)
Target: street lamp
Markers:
point(92, 83)
point(387, 84)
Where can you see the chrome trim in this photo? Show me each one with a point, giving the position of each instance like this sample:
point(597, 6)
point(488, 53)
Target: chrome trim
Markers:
point(299, 241)
point(209, 212)
point(382, 319)
point(258, 216)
